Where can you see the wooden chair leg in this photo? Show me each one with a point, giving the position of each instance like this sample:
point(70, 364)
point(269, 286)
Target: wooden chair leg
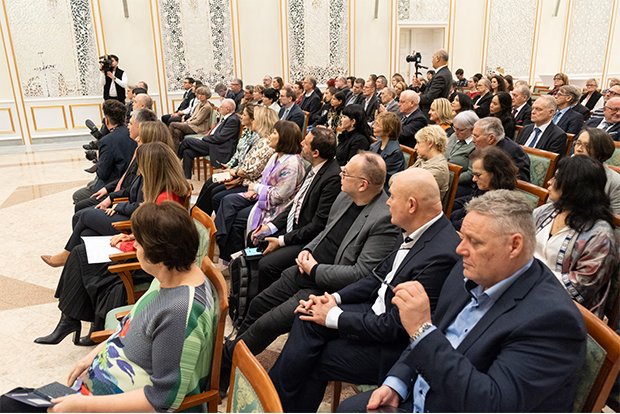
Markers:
point(336, 395)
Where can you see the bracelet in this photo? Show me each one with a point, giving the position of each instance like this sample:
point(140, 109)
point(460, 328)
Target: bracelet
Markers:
point(425, 327)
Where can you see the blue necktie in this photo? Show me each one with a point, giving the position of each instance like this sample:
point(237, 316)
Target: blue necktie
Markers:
point(556, 116)
point(536, 134)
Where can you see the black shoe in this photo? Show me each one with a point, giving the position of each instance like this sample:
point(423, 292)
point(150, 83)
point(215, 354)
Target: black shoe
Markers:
point(85, 340)
point(94, 131)
point(92, 145)
point(226, 366)
point(91, 170)
point(91, 155)
point(65, 326)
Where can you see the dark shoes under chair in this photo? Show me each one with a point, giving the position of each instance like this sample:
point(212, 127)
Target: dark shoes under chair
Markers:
point(66, 326)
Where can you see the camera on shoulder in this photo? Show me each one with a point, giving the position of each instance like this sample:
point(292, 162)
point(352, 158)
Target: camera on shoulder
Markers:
point(106, 63)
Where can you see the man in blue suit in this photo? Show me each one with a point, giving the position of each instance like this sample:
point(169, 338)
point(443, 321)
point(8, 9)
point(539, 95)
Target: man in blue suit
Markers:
point(507, 338)
point(355, 335)
point(290, 111)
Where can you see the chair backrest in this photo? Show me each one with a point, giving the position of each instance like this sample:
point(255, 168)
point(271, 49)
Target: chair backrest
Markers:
point(207, 231)
point(612, 306)
point(615, 159)
point(518, 129)
point(251, 389)
point(536, 194)
point(614, 168)
point(448, 199)
point(214, 115)
point(542, 165)
point(306, 119)
point(569, 143)
point(410, 155)
point(597, 377)
point(188, 198)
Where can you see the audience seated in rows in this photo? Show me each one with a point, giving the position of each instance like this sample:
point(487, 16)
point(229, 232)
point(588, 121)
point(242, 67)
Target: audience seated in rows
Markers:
point(412, 117)
point(543, 133)
point(355, 135)
point(219, 144)
point(460, 145)
point(200, 120)
point(610, 119)
point(331, 118)
point(86, 292)
point(263, 201)
point(507, 339)
point(482, 102)
point(250, 168)
point(355, 334)
point(489, 131)
point(598, 144)
point(440, 114)
point(521, 109)
point(341, 85)
point(188, 95)
point(575, 233)
point(493, 169)
point(306, 216)
point(431, 147)
point(248, 98)
point(357, 237)
point(592, 99)
point(289, 110)
point(311, 101)
point(566, 117)
point(387, 129)
point(501, 108)
point(388, 102)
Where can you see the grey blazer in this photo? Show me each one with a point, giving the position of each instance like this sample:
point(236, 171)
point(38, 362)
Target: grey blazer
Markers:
point(460, 156)
point(369, 240)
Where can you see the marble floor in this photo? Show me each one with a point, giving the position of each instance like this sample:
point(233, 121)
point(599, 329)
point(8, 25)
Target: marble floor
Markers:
point(35, 218)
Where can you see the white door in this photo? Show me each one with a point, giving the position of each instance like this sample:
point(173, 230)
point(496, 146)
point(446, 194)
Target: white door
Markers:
point(424, 40)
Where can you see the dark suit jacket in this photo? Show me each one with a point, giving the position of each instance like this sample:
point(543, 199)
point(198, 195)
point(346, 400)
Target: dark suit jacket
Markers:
point(312, 105)
point(436, 249)
point(393, 157)
point(237, 97)
point(553, 139)
point(412, 124)
point(353, 100)
point(223, 143)
point(187, 98)
point(130, 175)
point(519, 156)
point(373, 105)
point(315, 207)
point(295, 115)
point(349, 143)
point(585, 112)
point(522, 356)
point(524, 116)
point(571, 122)
point(484, 104)
point(596, 95)
point(613, 131)
point(438, 87)
point(347, 93)
point(115, 152)
point(136, 197)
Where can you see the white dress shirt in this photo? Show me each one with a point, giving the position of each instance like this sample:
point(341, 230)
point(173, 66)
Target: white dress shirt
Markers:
point(533, 134)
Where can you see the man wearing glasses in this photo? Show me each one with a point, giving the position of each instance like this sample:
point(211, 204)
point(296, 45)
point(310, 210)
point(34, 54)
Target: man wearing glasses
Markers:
point(355, 335)
point(358, 235)
point(236, 91)
point(611, 115)
point(612, 92)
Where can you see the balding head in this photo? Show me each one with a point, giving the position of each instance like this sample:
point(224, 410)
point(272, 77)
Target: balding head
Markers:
point(611, 110)
point(228, 107)
point(440, 58)
point(415, 199)
point(408, 102)
point(363, 177)
point(142, 101)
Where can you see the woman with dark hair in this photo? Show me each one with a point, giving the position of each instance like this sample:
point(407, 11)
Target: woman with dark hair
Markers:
point(162, 350)
point(327, 99)
point(277, 83)
point(298, 88)
point(472, 84)
point(461, 103)
point(331, 119)
point(262, 201)
point(351, 81)
point(387, 129)
point(497, 83)
point(598, 144)
point(270, 99)
point(356, 134)
point(501, 107)
point(493, 170)
point(575, 234)
point(509, 83)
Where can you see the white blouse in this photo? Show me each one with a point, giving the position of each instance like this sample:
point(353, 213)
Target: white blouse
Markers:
point(547, 248)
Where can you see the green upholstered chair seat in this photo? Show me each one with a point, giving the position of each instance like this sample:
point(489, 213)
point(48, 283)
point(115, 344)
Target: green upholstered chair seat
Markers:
point(538, 169)
point(407, 158)
point(615, 159)
point(595, 355)
point(244, 399)
point(205, 239)
point(199, 136)
point(533, 198)
point(110, 318)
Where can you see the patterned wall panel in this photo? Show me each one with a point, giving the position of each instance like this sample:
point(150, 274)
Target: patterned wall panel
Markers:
point(318, 38)
point(55, 47)
point(511, 35)
point(424, 10)
point(197, 41)
point(587, 39)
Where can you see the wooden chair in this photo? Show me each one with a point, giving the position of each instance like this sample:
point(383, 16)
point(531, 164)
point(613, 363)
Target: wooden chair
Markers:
point(448, 199)
point(410, 155)
point(518, 131)
point(612, 306)
point(536, 194)
point(615, 159)
point(306, 120)
point(569, 143)
point(542, 165)
point(251, 389)
point(597, 377)
point(614, 168)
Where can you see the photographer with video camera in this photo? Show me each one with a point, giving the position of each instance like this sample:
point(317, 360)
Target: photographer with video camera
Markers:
point(112, 78)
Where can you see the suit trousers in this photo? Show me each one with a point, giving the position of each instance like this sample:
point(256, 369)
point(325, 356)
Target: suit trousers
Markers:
point(270, 267)
point(358, 403)
point(168, 119)
point(221, 192)
point(178, 130)
point(85, 192)
point(230, 222)
point(322, 355)
point(189, 149)
point(88, 202)
point(93, 222)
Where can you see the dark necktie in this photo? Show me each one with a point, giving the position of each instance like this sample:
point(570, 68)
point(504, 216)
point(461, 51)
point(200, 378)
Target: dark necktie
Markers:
point(536, 134)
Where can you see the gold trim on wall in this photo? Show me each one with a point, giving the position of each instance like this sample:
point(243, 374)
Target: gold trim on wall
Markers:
point(163, 97)
point(569, 13)
point(535, 43)
point(71, 114)
point(102, 31)
point(282, 40)
point(391, 38)
point(485, 39)
point(34, 118)
point(12, 124)
point(232, 18)
point(238, 25)
point(610, 40)
point(174, 105)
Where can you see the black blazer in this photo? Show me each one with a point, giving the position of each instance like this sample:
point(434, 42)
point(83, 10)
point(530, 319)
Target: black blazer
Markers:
point(438, 87)
point(187, 98)
point(130, 175)
point(136, 197)
point(613, 131)
point(508, 352)
point(412, 124)
point(115, 152)
point(237, 97)
point(223, 143)
point(571, 122)
point(355, 100)
point(312, 105)
point(436, 249)
point(347, 93)
point(596, 95)
point(524, 116)
point(518, 155)
point(585, 112)
point(295, 115)
point(484, 104)
point(373, 105)
point(553, 139)
point(348, 145)
point(315, 207)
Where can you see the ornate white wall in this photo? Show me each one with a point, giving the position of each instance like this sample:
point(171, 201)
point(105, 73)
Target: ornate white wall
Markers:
point(423, 10)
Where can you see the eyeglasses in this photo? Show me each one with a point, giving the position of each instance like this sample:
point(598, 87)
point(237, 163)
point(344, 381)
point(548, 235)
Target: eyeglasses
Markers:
point(580, 143)
point(560, 94)
point(607, 108)
point(478, 175)
point(612, 93)
point(557, 78)
point(344, 174)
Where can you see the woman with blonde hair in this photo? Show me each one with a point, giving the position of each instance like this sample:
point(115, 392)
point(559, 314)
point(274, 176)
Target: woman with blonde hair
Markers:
point(200, 120)
point(441, 114)
point(86, 292)
point(431, 142)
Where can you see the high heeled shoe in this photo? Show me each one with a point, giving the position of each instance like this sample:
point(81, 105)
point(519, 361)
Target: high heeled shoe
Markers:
point(85, 340)
point(65, 326)
point(48, 259)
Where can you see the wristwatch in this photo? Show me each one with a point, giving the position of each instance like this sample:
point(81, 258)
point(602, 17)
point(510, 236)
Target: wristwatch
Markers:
point(425, 327)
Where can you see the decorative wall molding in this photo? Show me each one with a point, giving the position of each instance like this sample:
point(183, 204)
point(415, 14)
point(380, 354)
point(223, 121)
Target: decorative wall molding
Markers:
point(424, 10)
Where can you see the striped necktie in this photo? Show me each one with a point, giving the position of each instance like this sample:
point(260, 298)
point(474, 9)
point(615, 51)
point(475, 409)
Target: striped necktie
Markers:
point(293, 215)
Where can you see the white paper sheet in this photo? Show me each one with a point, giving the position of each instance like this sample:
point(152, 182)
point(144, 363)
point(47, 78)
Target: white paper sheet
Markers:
point(98, 249)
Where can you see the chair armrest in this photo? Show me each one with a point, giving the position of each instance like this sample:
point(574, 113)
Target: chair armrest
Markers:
point(101, 336)
point(122, 225)
point(203, 397)
point(119, 316)
point(123, 267)
point(120, 200)
point(121, 257)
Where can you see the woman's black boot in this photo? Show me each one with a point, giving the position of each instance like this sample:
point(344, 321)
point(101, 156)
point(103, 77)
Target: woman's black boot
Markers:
point(65, 326)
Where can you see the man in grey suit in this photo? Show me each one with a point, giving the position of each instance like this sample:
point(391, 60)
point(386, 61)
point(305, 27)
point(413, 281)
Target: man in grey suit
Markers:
point(388, 102)
point(358, 236)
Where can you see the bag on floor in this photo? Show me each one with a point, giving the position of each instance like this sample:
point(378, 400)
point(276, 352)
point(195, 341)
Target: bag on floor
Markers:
point(243, 286)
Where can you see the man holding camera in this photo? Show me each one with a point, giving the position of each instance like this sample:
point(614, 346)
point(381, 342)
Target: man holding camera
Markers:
point(112, 78)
